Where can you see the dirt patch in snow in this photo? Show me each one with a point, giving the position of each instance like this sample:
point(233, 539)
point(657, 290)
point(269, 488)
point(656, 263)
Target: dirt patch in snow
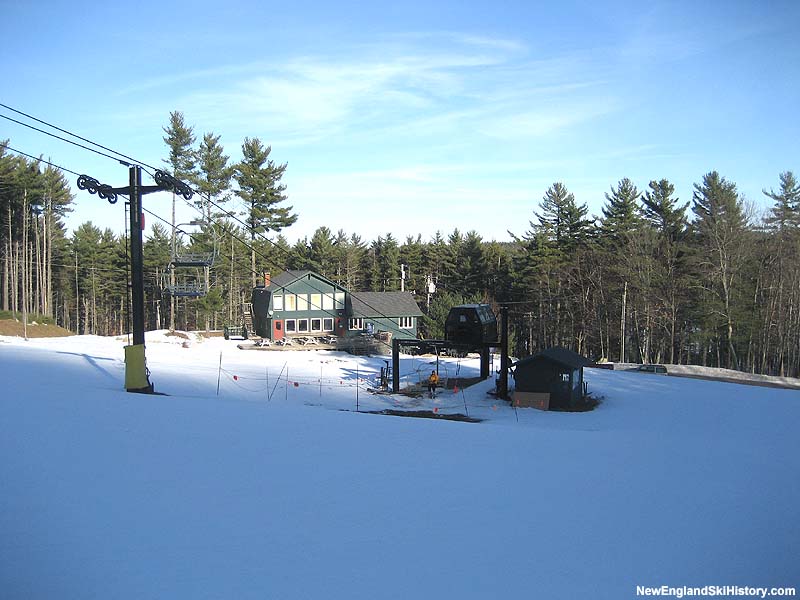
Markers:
point(425, 414)
point(12, 327)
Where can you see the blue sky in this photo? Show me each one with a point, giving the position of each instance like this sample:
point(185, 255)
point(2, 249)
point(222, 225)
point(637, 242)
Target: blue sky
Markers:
point(415, 117)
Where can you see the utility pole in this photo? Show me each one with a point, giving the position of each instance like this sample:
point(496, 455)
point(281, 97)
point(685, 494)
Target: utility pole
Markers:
point(136, 373)
point(430, 288)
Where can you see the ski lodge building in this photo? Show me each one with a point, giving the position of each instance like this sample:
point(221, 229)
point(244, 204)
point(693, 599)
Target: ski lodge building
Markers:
point(306, 304)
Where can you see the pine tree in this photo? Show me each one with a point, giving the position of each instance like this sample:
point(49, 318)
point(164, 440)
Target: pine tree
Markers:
point(778, 281)
point(662, 211)
point(214, 175)
point(471, 270)
point(412, 255)
point(180, 140)
point(322, 253)
point(562, 219)
point(389, 264)
point(668, 219)
point(785, 214)
point(350, 256)
point(260, 187)
point(621, 214)
point(719, 228)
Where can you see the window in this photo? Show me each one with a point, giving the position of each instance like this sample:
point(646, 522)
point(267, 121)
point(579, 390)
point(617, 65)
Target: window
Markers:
point(356, 324)
point(277, 303)
point(339, 297)
point(327, 302)
point(291, 325)
point(315, 301)
point(327, 324)
point(316, 324)
point(278, 325)
point(302, 301)
point(290, 302)
point(406, 322)
point(302, 325)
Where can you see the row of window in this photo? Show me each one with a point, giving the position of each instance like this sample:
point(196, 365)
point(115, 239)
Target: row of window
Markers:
point(292, 302)
point(357, 323)
point(302, 325)
point(326, 324)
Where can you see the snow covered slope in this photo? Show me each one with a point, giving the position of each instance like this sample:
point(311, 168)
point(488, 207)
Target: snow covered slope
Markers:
point(277, 488)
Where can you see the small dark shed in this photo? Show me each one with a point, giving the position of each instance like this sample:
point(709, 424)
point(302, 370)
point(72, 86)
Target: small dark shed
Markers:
point(551, 379)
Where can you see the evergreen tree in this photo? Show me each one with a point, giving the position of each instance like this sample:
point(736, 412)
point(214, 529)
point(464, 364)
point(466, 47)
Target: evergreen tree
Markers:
point(662, 211)
point(621, 214)
point(471, 273)
point(719, 226)
point(412, 255)
point(670, 279)
point(350, 256)
point(435, 259)
point(214, 174)
point(180, 140)
point(562, 219)
point(389, 264)
point(322, 253)
point(261, 189)
point(785, 213)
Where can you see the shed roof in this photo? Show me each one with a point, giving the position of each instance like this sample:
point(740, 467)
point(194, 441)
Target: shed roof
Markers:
point(385, 304)
point(560, 356)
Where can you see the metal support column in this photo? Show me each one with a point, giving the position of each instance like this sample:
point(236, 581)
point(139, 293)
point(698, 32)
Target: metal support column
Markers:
point(502, 391)
point(137, 256)
point(485, 361)
point(395, 365)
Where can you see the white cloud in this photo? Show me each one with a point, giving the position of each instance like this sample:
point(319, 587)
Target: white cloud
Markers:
point(441, 85)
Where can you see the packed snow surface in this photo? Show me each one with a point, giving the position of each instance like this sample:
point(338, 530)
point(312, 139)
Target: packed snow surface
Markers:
point(261, 475)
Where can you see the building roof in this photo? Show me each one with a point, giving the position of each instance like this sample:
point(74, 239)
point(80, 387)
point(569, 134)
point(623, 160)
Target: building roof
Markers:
point(364, 304)
point(286, 278)
point(384, 304)
point(560, 356)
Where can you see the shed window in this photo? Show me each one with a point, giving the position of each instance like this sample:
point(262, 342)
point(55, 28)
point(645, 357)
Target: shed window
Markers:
point(356, 324)
point(406, 322)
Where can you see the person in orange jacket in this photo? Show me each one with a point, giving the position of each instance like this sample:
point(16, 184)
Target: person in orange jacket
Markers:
point(433, 381)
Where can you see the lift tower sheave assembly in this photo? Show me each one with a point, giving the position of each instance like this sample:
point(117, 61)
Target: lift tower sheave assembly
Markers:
point(136, 374)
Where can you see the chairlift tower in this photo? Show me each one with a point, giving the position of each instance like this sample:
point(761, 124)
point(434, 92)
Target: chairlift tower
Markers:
point(136, 372)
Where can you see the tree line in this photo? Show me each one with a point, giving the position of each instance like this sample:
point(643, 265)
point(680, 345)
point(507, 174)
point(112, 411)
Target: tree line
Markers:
point(653, 278)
